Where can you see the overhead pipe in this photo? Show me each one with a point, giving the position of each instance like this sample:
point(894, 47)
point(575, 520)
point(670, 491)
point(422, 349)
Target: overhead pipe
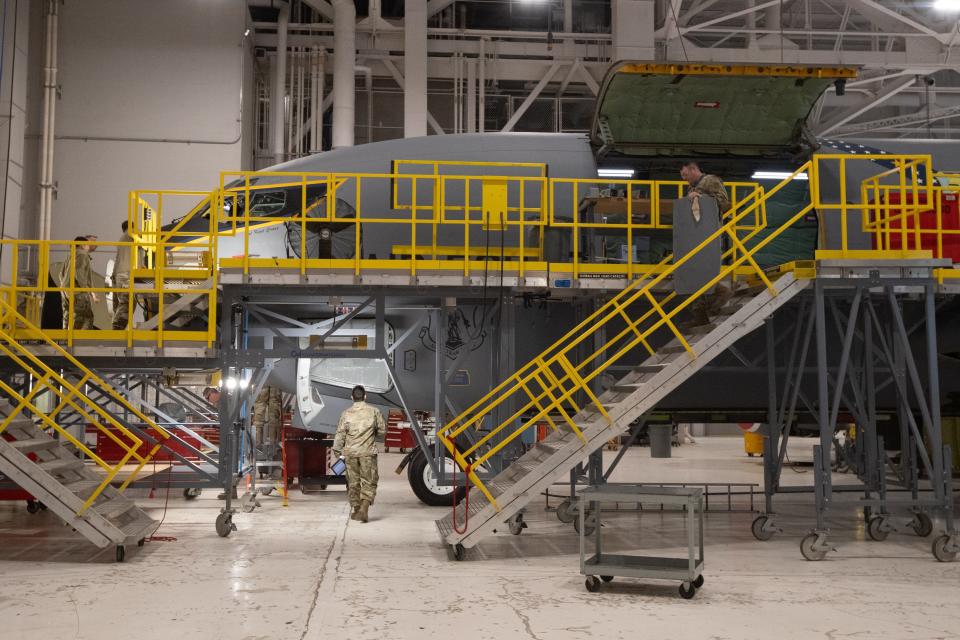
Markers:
point(415, 68)
point(368, 85)
point(317, 82)
point(482, 81)
point(49, 121)
point(345, 58)
point(471, 96)
point(279, 85)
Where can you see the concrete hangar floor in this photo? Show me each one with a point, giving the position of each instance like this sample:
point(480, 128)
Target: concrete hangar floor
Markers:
point(306, 571)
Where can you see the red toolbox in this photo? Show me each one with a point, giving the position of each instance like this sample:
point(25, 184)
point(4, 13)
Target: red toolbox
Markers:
point(949, 221)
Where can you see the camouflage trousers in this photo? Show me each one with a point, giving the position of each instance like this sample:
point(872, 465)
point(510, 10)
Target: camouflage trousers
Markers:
point(82, 311)
point(266, 416)
point(121, 304)
point(362, 477)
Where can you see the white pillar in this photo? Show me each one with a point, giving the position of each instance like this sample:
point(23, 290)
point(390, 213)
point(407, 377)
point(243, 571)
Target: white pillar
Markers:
point(13, 102)
point(49, 120)
point(471, 96)
point(279, 87)
point(415, 69)
point(344, 60)
point(633, 29)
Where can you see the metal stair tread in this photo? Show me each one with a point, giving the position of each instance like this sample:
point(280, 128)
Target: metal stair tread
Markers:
point(114, 507)
point(648, 368)
point(60, 464)
point(33, 444)
point(139, 526)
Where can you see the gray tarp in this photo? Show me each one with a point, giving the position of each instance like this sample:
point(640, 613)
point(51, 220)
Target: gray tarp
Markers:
point(688, 233)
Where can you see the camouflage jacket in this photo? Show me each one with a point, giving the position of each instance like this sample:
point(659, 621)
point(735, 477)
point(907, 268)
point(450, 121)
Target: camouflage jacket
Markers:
point(83, 274)
point(359, 428)
point(711, 185)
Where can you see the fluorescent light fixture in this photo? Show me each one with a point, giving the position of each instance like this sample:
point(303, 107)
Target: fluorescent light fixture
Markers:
point(777, 175)
point(947, 5)
point(615, 173)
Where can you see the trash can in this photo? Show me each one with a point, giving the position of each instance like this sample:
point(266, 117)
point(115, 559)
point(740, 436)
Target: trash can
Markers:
point(753, 443)
point(660, 435)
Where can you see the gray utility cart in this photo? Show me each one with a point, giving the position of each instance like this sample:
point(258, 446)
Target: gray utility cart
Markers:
point(603, 566)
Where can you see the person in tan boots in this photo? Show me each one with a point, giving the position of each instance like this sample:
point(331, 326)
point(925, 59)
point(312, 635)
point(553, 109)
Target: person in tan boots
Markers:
point(358, 430)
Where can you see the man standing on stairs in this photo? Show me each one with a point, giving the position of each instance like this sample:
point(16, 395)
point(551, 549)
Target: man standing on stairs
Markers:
point(77, 272)
point(359, 428)
point(705, 184)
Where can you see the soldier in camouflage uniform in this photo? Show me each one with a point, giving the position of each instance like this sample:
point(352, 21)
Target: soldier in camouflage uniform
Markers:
point(121, 280)
point(79, 276)
point(359, 428)
point(708, 185)
point(266, 416)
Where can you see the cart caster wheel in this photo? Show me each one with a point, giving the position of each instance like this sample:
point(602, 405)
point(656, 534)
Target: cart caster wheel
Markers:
point(225, 525)
point(592, 584)
point(591, 525)
point(517, 525)
point(33, 506)
point(687, 590)
point(875, 529)
point(758, 531)
point(191, 493)
point(459, 552)
point(121, 553)
point(566, 512)
point(939, 549)
point(698, 582)
point(808, 551)
point(323, 487)
point(141, 542)
point(922, 524)
point(607, 578)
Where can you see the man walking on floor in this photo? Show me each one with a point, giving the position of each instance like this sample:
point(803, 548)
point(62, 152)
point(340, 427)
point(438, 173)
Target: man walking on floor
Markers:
point(359, 428)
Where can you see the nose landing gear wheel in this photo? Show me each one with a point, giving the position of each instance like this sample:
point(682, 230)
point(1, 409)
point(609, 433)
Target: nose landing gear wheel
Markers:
point(424, 483)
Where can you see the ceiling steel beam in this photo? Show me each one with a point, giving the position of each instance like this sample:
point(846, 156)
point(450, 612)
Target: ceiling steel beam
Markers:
point(522, 109)
point(865, 105)
point(920, 117)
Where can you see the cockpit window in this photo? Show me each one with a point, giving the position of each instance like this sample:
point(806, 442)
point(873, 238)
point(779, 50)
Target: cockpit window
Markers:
point(267, 203)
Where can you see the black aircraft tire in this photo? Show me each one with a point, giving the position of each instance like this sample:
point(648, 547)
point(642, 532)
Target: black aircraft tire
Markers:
point(417, 472)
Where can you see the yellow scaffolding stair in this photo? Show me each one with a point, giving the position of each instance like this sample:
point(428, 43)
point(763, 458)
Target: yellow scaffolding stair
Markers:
point(43, 457)
point(557, 386)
